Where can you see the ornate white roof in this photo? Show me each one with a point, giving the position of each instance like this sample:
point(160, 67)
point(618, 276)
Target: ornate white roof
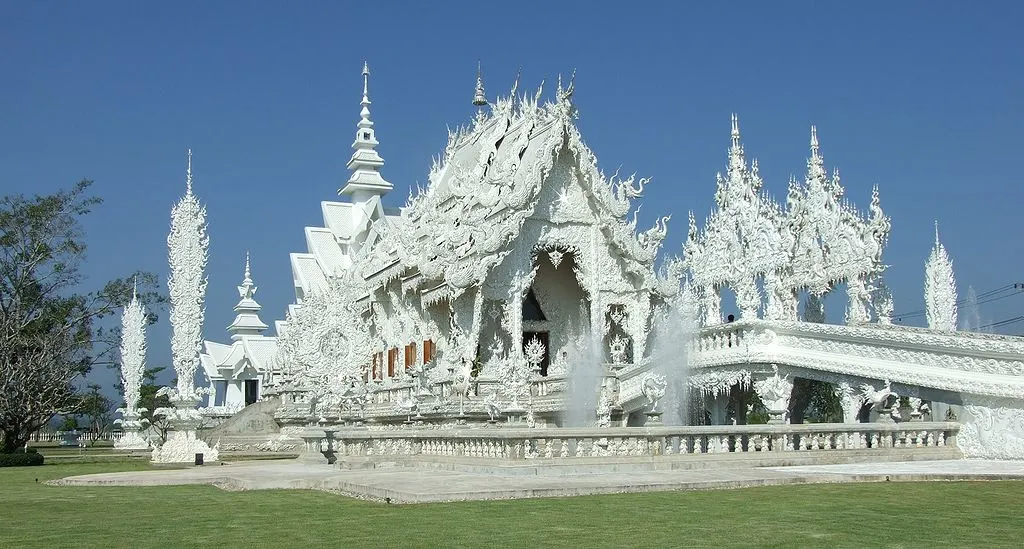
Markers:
point(484, 187)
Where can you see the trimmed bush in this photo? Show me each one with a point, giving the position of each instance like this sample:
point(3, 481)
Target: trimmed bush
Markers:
point(21, 459)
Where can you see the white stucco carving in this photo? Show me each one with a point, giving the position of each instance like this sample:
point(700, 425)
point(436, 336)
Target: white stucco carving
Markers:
point(187, 245)
point(133, 367)
point(518, 242)
point(940, 295)
point(993, 429)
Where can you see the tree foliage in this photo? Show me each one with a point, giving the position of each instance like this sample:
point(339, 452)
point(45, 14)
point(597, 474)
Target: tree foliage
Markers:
point(98, 412)
point(50, 334)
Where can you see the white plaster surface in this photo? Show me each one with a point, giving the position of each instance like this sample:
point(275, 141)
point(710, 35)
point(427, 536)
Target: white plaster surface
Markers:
point(417, 485)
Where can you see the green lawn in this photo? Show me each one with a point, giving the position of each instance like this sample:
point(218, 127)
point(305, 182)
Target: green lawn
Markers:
point(934, 514)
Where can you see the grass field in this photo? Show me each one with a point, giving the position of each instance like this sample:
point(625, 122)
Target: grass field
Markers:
point(934, 514)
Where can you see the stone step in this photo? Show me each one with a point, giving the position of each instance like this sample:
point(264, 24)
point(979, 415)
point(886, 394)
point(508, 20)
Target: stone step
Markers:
point(598, 465)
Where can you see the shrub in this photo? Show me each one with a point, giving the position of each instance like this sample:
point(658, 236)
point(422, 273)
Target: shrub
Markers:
point(21, 459)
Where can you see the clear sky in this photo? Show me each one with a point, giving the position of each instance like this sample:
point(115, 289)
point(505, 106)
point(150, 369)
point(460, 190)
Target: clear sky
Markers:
point(922, 98)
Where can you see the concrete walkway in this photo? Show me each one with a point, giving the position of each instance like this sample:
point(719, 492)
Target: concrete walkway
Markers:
point(417, 485)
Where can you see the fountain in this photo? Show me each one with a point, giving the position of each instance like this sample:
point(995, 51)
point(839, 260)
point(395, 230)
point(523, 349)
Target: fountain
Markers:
point(674, 329)
point(970, 318)
point(586, 379)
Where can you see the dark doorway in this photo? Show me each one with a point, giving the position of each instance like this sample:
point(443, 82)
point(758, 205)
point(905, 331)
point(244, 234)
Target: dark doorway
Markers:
point(543, 337)
point(252, 391)
point(531, 308)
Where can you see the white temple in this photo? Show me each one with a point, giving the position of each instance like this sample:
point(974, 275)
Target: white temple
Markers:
point(517, 285)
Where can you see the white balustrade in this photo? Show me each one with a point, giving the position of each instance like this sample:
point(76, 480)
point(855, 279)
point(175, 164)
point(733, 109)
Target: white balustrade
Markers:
point(559, 443)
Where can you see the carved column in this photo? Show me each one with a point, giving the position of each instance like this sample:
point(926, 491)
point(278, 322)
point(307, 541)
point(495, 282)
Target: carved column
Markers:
point(850, 399)
point(639, 313)
point(712, 305)
point(774, 308)
point(815, 309)
point(857, 309)
point(748, 299)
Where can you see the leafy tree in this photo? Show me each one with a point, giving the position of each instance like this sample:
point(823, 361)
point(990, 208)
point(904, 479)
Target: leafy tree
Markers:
point(149, 400)
point(97, 410)
point(50, 335)
point(68, 423)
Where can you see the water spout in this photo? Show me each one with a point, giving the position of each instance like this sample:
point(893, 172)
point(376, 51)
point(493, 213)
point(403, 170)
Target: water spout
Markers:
point(585, 378)
point(675, 325)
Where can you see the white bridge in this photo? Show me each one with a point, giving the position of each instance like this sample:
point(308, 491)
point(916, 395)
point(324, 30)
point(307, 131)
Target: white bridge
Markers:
point(979, 376)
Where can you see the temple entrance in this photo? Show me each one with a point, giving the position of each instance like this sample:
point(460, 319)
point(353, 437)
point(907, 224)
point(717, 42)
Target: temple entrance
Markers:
point(252, 391)
point(543, 337)
point(556, 310)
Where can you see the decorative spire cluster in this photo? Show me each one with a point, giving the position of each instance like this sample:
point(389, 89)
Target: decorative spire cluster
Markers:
point(940, 288)
point(247, 321)
point(365, 164)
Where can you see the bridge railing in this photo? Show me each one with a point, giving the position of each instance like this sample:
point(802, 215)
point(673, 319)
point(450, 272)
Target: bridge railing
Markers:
point(516, 444)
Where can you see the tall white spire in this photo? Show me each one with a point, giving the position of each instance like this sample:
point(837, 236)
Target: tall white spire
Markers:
point(365, 164)
point(188, 174)
point(247, 321)
point(133, 369)
point(187, 246)
point(940, 288)
point(479, 97)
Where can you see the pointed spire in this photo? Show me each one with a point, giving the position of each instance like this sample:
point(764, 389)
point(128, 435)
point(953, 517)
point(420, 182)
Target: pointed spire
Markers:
point(365, 164)
point(247, 321)
point(364, 114)
point(247, 279)
point(737, 163)
point(515, 85)
point(816, 176)
point(135, 288)
point(940, 296)
point(735, 131)
point(479, 98)
point(188, 174)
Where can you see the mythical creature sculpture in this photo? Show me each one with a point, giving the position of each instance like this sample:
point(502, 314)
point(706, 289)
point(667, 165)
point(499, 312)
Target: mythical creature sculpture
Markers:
point(490, 403)
point(882, 400)
point(653, 389)
point(774, 391)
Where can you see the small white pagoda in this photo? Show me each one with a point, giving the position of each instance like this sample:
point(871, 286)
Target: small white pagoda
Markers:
point(236, 371)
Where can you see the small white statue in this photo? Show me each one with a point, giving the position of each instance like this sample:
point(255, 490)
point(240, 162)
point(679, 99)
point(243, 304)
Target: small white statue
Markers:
point(491, 405)
point(653, 388)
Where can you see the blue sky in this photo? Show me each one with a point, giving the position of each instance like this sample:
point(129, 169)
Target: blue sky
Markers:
point(922, 98)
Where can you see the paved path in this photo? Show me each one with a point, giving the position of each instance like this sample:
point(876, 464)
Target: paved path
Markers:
point(416, 485)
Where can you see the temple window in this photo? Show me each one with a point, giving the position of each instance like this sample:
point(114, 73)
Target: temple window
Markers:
point(428, 350)
point(410, 355)
point(392, 359)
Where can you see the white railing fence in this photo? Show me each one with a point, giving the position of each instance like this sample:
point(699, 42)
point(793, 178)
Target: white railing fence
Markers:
point(517, 444)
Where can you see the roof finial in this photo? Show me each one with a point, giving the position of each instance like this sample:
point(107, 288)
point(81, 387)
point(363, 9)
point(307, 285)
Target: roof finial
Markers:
point(936, 232)
point(515, 85)
point(735, 130)
point(365, 112)
point(247, 277)
point(188, 174)
point(365, 162)
point(814, 142)
point(135, 287)
point(479, 98)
